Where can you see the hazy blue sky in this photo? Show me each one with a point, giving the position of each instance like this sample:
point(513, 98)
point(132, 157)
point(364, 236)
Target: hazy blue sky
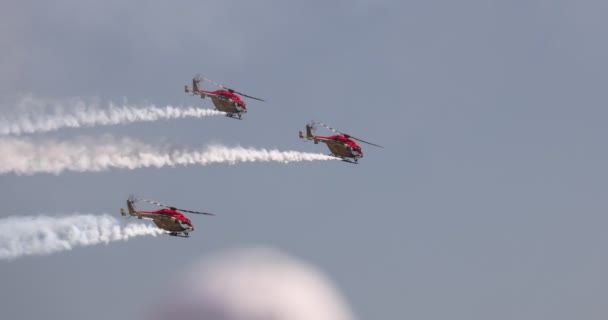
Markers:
point(489, 200)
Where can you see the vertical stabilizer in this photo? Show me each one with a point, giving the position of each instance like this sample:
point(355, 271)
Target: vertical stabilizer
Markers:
point(195, 85)
point(131, 208)
point(309, 132)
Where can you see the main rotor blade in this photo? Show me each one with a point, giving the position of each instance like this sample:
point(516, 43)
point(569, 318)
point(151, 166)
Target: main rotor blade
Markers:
point(328, 127)
point(347, 135)
point(215, 83)
point(196, 212)
point(153, 202)
point(248, 96)
point(373, 144)
point(174, 208)
point(231, 90)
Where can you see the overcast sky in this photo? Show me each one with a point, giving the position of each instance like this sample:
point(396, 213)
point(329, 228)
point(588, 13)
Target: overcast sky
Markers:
point(488, 201)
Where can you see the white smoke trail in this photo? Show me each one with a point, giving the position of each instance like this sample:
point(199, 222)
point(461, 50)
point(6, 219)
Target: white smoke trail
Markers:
point(80, 114)
point(24, 156)
point(43, 235)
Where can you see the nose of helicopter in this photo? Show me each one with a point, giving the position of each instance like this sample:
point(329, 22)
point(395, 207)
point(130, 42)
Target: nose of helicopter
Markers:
point(187, 227)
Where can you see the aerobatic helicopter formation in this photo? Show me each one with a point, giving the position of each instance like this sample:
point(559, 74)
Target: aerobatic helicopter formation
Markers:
point(173, 220)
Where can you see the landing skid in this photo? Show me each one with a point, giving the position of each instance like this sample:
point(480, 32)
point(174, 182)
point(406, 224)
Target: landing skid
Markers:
point(175, 234)
point(233, 116)
point(344, 159)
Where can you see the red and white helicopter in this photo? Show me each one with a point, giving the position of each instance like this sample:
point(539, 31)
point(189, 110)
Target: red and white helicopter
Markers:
point(341, 145)
point(224, 99)
point(169, 218)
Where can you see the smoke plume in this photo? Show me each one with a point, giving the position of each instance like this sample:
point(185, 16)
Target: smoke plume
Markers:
point(254, 284)
point(43, 235)
point(26, 156)
point(36, 115)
